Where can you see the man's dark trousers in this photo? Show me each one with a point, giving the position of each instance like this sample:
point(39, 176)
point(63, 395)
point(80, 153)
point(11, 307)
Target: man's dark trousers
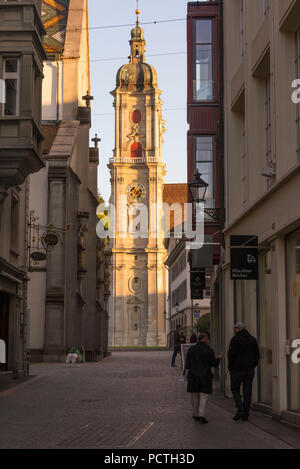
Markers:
point(176, 350)
point(244, 378)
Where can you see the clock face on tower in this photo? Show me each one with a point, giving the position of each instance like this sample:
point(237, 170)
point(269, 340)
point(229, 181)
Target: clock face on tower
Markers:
point(136, 192)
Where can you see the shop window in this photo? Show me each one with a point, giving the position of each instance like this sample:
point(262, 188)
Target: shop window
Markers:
point(265, 328)
point(239, 301)
point(293, 274)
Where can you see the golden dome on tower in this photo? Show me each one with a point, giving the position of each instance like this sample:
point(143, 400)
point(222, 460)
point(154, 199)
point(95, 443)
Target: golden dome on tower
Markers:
point(136, 76)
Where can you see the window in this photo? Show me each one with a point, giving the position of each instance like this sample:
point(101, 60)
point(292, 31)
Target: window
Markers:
point(268, 157)
point(266, 7)
point(136, 116)
point(180, 294)
point(204, 89)
point(297, 76)
point(244, 162)
point(242, 27)
point(179, 266)
point(268, 120)
point(14, 233)
point(204, 162)
point(136, 150)
point(11, 79)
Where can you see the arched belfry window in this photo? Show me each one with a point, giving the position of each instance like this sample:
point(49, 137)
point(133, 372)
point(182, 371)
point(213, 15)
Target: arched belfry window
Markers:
point(136, 116)
point(136, 150)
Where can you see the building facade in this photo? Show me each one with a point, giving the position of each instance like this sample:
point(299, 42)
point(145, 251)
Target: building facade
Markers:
point(205, 140)
point(21, 136)
point(181, 309)
point(137, 174)
point(68, 294)
point(262, 148)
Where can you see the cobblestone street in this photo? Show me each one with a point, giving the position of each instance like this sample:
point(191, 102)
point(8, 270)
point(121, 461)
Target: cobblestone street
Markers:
point(130, 400)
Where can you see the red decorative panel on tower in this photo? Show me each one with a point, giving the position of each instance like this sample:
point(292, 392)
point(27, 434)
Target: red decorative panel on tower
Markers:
point(136, 116)
point(136, 150)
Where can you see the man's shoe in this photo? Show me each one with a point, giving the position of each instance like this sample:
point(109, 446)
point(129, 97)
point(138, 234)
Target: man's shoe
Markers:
point(196, 418)
point(203, 420)
point(245, 417)
point(238, 416)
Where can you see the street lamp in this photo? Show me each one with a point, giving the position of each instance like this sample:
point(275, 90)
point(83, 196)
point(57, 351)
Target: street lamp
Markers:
point(198, 189)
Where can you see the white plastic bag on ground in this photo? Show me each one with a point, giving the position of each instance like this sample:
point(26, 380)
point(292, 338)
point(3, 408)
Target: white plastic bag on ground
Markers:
point(2, 352)
point(72, 358)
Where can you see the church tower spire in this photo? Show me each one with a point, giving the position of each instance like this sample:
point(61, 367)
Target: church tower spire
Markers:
point(137, 177)
point(137, 42)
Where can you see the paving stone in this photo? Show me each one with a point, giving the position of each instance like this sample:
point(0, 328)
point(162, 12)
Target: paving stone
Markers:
point(127, 400)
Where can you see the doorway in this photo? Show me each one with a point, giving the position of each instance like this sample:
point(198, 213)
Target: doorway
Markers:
point(4, 325)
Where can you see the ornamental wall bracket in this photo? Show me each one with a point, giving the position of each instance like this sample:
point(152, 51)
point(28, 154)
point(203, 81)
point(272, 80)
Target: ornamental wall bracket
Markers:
point(134, 132)
point(119, 267)
point(135, 300)
point(42, 239)
point(155, 267)
point(134, 135)
point(81, 246)
point(3, 194)
point(163, 129)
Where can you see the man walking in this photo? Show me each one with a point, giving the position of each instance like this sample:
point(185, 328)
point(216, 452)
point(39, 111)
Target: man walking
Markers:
point(243, 358)
point(199, 361)
point(178, 340)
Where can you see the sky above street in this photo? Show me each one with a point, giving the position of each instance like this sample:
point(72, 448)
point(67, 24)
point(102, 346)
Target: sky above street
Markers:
point(109, 50)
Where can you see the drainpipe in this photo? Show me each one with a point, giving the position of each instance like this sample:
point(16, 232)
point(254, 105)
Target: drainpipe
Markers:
point(222, 198)
point(58, 61)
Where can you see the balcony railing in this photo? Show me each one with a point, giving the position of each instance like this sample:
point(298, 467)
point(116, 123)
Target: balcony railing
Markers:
point(149, 159)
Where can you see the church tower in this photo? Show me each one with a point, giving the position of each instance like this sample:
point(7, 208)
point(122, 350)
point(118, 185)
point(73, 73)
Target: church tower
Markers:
point(137, 176)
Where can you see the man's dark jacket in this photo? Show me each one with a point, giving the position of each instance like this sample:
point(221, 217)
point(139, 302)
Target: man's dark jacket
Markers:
point(243, 353)
point(177, 340)
point(199, 361)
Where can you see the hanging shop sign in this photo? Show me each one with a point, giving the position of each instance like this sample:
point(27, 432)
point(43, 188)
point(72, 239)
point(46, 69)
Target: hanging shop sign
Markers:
point(244, 257)
point(197, 284)
point(197, 314)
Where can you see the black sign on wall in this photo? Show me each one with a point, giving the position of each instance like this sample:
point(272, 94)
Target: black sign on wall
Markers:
point(244, 257)
point(197, 284)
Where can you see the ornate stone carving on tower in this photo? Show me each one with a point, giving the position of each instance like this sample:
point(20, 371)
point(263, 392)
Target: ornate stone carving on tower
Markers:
point(137, 176)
